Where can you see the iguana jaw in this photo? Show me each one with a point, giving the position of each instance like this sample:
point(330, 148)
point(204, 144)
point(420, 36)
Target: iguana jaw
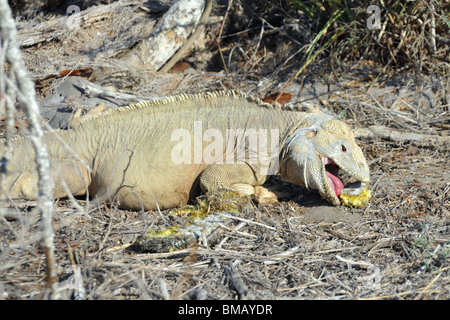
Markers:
point(333, 186)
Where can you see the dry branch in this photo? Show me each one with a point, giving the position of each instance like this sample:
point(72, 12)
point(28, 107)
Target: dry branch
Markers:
point(32, 33)
point(169, 35)
point(18, 81)
point(401, 137)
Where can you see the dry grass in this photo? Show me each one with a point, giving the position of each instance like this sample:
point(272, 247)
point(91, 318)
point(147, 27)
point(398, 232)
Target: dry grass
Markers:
point(396, 248)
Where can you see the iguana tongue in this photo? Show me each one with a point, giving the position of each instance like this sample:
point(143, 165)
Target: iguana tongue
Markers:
point(335, 183)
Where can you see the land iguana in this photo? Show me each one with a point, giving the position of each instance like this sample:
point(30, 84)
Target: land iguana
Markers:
point(160, 153)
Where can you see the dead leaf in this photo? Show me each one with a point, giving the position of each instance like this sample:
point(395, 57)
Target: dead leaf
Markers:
point(282, 98)
point(180, 67)
point(85, 73)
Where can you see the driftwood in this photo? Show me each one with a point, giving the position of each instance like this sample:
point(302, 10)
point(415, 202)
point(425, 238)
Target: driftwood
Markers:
point(169, 35)
point(32, 32)
point(198, 30)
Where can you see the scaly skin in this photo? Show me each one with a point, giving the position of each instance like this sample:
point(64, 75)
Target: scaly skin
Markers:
point(127, 155)
point(308, 149)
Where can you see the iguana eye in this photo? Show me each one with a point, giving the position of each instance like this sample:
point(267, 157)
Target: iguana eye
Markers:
point(344, 149)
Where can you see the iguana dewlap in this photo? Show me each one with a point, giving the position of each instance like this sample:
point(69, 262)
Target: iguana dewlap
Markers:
point(158, 153)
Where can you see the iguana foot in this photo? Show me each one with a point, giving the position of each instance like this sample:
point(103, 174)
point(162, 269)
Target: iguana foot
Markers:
point(264, 195)
point(270, 195)
point(240, 178)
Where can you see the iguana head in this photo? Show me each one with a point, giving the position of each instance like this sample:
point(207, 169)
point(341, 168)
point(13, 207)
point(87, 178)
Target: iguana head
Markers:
point(324, 157)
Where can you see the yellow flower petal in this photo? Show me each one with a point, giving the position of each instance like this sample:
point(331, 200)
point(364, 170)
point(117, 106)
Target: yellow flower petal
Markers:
point(358, 201)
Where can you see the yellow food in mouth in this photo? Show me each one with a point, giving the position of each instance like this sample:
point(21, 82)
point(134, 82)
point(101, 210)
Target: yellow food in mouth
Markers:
point(358, 201)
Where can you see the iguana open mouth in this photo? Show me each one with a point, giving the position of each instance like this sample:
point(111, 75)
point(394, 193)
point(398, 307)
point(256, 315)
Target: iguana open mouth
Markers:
point(331, 171)
point(335, 180)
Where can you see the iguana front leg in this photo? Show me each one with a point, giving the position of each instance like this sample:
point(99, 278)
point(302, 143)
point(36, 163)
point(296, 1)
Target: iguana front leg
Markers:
point(240, 178)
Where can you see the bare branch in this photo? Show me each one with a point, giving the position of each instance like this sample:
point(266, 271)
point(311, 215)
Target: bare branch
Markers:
point(19, 83)
point(401, 137)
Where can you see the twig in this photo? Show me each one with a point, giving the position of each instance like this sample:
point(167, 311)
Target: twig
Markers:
point(225, 239)
point(25, 91)
point(163, 287)
point(432, 28)
point(427, 287)
point(249, 221)
point(6, 103)
point(230, 2)
point(276, 258)
point(350, 262)
point(250, 59)
point(93, 90)
point(238, 284)
point(79, 290)
point(401, 137)
point(123, 246)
